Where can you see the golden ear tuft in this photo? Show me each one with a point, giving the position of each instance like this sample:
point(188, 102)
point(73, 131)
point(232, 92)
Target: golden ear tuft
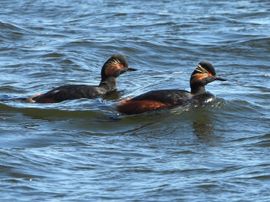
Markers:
point(200, 69)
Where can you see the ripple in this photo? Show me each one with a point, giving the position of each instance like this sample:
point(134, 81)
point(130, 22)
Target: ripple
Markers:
point(11, 31)
point(264, 141)
point(9, 26)
point(12, 172)
point(257, 43)
point(53, 111)
point(53, 55)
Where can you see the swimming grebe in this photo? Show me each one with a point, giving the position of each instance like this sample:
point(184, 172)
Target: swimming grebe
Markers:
point(112, 68)
point(166, 99)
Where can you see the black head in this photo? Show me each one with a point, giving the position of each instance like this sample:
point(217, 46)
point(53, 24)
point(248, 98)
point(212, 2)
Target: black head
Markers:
point(202, 75)
point(205, 66)
point(114, 66)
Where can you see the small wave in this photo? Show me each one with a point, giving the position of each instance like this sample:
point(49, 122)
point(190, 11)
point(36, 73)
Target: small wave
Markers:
point(82, 42)
point(260, 42)
point(56, 111)
point(11, 31)
point(238, 106)
point(10, 26)
point(9, 89)
point(15, 173)
point(264, 141)
point(53, 55)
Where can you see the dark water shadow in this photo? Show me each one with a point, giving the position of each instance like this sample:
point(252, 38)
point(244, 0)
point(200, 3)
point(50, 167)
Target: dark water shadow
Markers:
point(203, 125)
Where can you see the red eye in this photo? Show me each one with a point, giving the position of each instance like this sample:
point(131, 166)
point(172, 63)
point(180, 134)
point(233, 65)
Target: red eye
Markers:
point(114, 69)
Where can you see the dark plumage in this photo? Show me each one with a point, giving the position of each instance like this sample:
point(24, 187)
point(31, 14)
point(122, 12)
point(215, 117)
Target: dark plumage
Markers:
point(164, 99)
point(112, 68)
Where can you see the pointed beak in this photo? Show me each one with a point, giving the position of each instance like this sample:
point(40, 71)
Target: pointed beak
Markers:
point(129, 69)
point(220, 79)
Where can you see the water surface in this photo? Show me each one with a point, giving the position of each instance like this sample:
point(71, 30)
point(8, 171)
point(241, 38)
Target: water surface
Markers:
point(84, 150)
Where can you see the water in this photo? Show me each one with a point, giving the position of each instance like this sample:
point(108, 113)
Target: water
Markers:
point(83, 150)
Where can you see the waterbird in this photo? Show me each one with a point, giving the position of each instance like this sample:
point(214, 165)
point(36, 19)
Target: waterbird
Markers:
point(203, 74)
point(112, 68)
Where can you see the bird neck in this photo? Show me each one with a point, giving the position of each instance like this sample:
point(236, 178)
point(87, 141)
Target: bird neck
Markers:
point(197, 86)
point(109, 83)
point(197, 89)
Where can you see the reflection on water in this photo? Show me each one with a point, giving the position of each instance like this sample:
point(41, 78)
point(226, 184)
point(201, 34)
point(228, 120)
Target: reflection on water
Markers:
point(203, 126)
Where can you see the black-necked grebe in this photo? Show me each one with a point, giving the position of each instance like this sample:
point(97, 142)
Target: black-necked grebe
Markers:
point(166, 99)
point(112, 68)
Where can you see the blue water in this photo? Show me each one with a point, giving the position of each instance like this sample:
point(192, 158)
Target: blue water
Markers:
point(83, 150)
